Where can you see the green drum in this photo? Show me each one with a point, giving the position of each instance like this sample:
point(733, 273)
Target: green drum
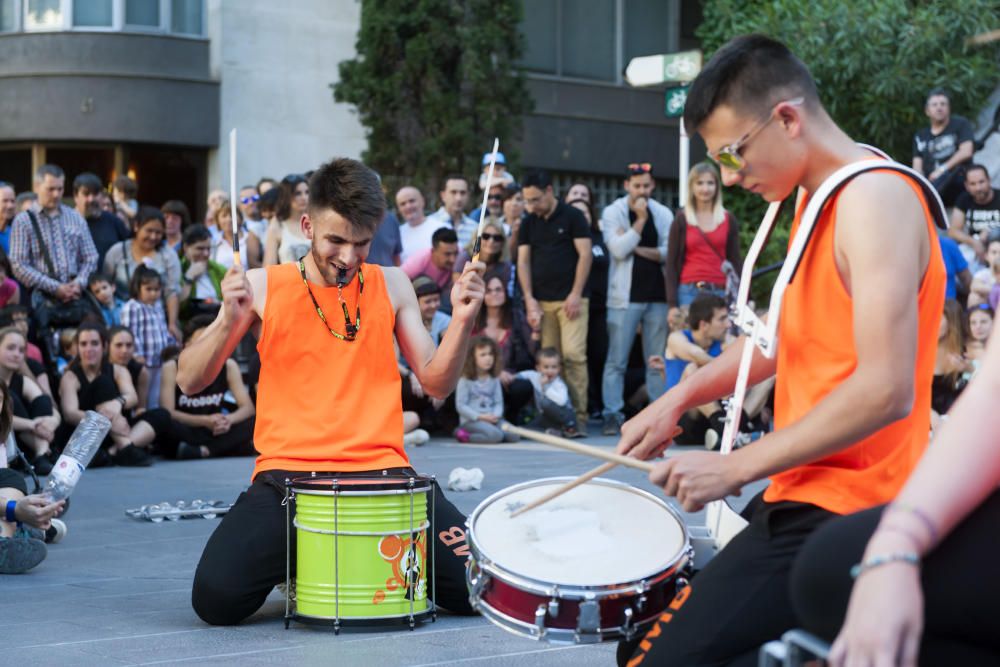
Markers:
point(361, 548)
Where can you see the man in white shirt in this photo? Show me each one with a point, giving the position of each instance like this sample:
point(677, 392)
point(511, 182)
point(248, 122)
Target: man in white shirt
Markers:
point(417, 229)
point(454, 198)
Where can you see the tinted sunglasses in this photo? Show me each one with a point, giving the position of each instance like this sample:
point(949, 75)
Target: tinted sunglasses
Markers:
point(492, 237)
point(636, 168)
point(247, 200)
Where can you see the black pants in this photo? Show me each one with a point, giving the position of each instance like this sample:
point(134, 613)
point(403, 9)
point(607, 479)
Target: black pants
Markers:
point(245, 556)
point(958, 578)
point(237, 441)
point(738, 602)
point(518, 394)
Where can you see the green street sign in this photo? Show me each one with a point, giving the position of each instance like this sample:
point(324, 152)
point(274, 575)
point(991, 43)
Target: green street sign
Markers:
point(675, 99)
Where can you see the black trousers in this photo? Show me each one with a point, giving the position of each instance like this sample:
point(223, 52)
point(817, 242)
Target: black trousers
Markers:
point(245, 556)
point(738, 602)
point(958, 578)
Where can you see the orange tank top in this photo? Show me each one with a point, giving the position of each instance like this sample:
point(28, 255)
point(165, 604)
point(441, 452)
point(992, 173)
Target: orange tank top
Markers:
point(816, 353)
point(325, 404)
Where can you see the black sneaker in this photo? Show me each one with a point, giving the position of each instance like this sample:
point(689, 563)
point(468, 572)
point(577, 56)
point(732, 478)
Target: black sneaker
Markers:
point(612, 425)
point(132, 456)
point(101, 459)
point(188, 451)
point(42, 464)
point(20, 554)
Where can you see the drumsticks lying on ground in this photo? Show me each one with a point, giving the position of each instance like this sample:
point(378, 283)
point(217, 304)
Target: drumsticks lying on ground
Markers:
point(612, 461)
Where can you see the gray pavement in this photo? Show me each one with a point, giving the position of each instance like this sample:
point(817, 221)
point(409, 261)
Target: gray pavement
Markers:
point(116, 591)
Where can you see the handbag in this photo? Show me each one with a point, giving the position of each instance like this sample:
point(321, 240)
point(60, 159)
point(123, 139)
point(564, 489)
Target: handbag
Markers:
point(52, 312)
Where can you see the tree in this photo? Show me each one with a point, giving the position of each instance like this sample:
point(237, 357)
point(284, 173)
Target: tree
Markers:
point(433, 82)
point(873, 61)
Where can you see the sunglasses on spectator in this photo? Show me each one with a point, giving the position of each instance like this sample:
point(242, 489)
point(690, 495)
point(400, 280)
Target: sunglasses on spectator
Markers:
point(981, 306)
point(730, 157)
point(492, 237)
point(636, 168)
point(495, 197)
point(247, 200)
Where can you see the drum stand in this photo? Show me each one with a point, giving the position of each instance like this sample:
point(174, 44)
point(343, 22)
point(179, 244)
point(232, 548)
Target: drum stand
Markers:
point(337, 622)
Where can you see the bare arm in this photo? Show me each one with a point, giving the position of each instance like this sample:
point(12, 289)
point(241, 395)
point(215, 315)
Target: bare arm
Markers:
point(956, 230)
point(125, 386)
point(244, 405)
point(918, 164)
point(69, 385)
point(963, 154)
point(681, 348)
point(652, 254)
point(142, 389)
point(524, 271)
point(584, 259)
point(271, 241)
point(168, 401)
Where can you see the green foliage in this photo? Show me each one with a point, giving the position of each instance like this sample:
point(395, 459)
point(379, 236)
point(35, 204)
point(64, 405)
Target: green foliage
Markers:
point(873, 61)
point(433, 82)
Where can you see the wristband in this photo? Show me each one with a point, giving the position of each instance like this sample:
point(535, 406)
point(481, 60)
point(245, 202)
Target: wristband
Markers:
point(884, 559)
point(9, 511)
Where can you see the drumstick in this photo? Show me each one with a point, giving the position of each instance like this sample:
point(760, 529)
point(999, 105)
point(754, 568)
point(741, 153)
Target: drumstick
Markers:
point(486, 198)
point(586, 450)
point(582, 479)
point(232, 197)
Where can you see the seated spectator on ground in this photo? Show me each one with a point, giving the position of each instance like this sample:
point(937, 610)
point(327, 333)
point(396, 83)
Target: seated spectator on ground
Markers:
point(479, 396)
point(105, 228)
point(15, 315)
point(35, 419)
point(124, 191)
point(148, 249)
point(92, 382)
point(176, 218)
point(222, 252)
point(107, 301)
point(8, 209)
point(217, 421)
point(201, 277)
point(435, 415)
point(121, 351)
point(438, 263)
point(985, 280)
point(942, 150)
point(416, 229)
point(508, 328)
point(950, 365)
point(10, 291)
point(976, 215)
point(554, 410)
point(143, 314)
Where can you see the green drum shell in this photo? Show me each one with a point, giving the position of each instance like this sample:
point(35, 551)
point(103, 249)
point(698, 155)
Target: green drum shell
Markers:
point(360, 543)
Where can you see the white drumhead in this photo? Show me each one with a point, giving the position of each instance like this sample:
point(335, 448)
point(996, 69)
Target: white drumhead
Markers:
point(602, 533)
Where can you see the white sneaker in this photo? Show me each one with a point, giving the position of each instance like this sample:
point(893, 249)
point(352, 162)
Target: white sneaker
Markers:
point(56, 531)
point(711, 439)
point(416, 437)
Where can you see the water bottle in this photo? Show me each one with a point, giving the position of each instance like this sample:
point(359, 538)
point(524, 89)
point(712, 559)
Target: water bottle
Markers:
point(79, 451)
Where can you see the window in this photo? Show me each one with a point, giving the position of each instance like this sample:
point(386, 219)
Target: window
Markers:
point(92, 14)
point(540, 28)
point(142, 13)
point(588, 39)
point(186, 17)
point(8, 16)
point(647, 28)
point(43, 15)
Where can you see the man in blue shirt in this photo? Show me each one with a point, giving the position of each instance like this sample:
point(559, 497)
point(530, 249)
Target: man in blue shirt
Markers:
point(956, 267)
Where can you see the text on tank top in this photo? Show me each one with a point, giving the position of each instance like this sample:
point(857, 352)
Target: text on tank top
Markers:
point(208, 401)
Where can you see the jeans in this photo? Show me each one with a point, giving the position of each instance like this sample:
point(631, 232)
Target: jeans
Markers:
point(686, 293)
point(622, 323)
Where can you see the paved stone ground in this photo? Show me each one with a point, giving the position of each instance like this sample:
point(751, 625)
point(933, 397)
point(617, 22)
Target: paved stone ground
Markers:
point(116, 591)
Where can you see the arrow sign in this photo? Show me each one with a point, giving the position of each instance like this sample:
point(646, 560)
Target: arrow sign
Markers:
point(682, 66)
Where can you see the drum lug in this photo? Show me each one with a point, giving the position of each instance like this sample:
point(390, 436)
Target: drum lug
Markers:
point(589, 620)
point(553, 607)
point(539, 629)
point(640, 604)
point(628, 627)
point(681, 583)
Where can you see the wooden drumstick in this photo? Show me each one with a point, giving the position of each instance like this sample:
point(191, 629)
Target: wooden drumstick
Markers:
point(586, 450)
point(582, 479)
point(486, 195)
point(232, 197)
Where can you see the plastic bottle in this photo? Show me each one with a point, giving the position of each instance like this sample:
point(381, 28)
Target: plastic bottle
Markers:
point(79, 451)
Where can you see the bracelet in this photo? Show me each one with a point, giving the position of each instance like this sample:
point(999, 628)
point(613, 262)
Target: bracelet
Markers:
point(9, 511)
point(122, 400)
point(884, 559)
point(917, 512)
point(891, 528)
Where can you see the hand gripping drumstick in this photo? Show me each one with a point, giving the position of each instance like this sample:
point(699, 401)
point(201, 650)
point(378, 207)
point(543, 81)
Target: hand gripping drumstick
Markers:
point(582, 479)
point(232, 197)
point(486, 196)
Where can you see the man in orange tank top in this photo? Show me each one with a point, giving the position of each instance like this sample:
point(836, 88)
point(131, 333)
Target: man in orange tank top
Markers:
point(329, 391)
point(853, 368)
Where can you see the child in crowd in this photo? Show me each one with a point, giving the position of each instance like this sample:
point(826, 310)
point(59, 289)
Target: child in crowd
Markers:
point(9, 290)
point(980, 324)
point(479, 396)
point(555, 412)
point(988, 278)
point(67, 349)
point(144, 315)
point(125, 191)
point(121, 351)
point(103, 290)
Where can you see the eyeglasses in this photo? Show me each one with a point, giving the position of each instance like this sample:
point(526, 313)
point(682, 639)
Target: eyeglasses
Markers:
point(730, 157)
point(247, 200)
point(492, 237)
point(637, 168)
point(970, 309)
point(495, 197)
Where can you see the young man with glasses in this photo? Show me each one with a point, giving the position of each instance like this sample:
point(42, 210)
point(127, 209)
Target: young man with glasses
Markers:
point(635, 229)
point(249, 198)
point(329, 391)
point(853, 368)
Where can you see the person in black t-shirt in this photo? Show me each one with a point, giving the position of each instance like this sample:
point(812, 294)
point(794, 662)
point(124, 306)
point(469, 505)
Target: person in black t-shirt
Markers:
point(553, 265)
point(976, 214)
point(105, 228)
point(940, 151)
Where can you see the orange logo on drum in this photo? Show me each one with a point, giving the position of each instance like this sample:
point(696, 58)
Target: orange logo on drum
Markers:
point(407, 559)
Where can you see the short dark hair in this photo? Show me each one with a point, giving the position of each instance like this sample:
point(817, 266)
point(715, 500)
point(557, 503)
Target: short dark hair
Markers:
point(196, 233)
point(973, 166)
point(750, 73)
point(148, 214)
point(87, 181)
point(53, 170)
point(177, 207)
point(452, 177)
point(129, 187)
point(197, 322)
point(548, 353)
point(351, 189)
point(937, 91)
point(7, 313)
point(143, 275)
point(98, 277)
point(266, 179)
point(443, 235)
point(102, 332)
point(117, 329)
point(703, 308)
point(537, 178)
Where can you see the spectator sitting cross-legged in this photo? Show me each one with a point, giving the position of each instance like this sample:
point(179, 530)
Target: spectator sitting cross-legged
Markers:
point(143, 315)
point(434, 414)
point(479, 396)
point(941, 151)
point(980, 325)
point(218, 420)
point(555, 413)
point(121, 351)
point(35, 420)
point(148, 249)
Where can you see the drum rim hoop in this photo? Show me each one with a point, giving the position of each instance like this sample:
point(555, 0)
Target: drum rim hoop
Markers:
point(318, 485)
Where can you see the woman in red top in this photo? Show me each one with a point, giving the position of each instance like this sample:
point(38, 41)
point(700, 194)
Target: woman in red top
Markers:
point(703, 236)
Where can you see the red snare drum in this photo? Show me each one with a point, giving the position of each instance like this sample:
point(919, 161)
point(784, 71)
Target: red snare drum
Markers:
point(596, 563)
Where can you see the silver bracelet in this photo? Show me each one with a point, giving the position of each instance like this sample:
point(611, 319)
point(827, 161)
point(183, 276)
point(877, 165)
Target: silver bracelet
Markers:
point(909, 557)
